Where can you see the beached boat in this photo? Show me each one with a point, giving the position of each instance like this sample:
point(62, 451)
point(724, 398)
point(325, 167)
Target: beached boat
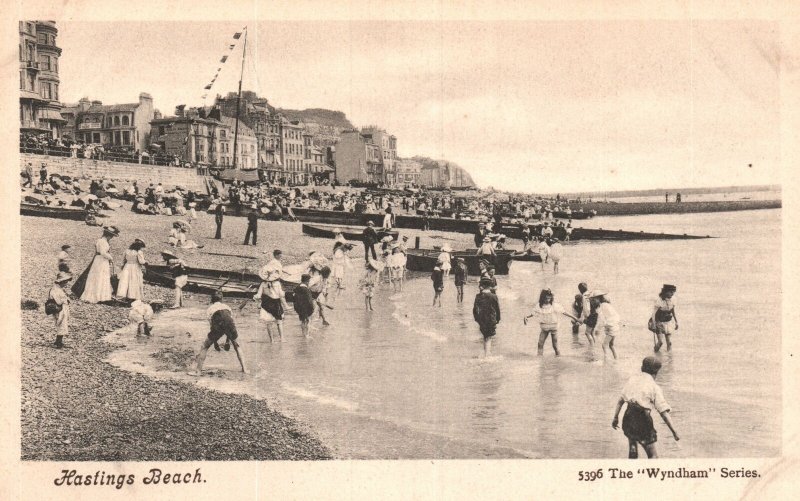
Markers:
point(424, 260)
point(349, 232)
point(526, 256)
point(513, 230)
point(572, 215)
point(206, 281)
point(27, 209)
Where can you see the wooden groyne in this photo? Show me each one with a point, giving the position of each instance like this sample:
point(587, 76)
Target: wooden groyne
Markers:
point(641, 208)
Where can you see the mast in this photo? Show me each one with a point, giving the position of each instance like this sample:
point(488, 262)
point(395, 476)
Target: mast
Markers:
point(239, 100)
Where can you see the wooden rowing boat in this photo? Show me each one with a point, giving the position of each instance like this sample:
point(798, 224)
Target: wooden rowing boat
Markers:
point(349, 232)
point(206, 281)
point(26, 209)
point(424, 260)
point(526, 256)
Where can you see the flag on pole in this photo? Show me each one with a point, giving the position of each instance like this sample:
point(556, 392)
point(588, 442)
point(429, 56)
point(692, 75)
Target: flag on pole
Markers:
point(208, 87)
point(224, 58)
point(237, 35)
point(230, 47)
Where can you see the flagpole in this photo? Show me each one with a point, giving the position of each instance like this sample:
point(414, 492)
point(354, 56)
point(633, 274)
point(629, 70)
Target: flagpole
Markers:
point(238, 100)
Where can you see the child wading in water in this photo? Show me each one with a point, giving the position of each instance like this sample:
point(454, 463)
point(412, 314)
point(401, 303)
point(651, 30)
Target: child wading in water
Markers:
point(437, 276)
point(460, 274)
point(372, 270)
point(486, 312)
point(664, 315)
point(221, 322)
point(179, 271)
point(549, 313)
point(642, 395)
point(304, 303)
point(607, 319)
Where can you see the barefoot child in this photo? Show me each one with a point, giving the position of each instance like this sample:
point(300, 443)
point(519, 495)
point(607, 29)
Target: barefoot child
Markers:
point(460, 275)
point(57, 305)
point(273, 305)
point(372, 271)
point(555, 253)
point(179, 271)
point(608, 321)
point(642, 395)
point(664, 315)
point(221, 323)
point(141, 314)
point(437, 276)
point(486, 312)
point(304, 303)
point(549, 313)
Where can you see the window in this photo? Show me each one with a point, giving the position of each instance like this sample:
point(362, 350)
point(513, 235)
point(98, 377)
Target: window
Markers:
point(54, 62)
point(44, 62)
point(46, 90)
point(55, 92)
point(22, 80)
point(29, 27)
point(126, 137)
point(96, 137)
point(116, 138)
point(125, 120)
point(116, 120)
point(160, 130)
point(20, 52)
point(110, 121)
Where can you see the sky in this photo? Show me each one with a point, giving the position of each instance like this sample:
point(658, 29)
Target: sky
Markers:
point(538, 106)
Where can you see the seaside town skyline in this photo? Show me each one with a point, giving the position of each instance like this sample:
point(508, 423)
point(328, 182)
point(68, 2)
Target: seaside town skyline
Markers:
point(652, 143)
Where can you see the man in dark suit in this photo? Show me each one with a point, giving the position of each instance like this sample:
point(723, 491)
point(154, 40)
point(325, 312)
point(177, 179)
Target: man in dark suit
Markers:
point(252, 225)
point(370, 238)
point(218, 216)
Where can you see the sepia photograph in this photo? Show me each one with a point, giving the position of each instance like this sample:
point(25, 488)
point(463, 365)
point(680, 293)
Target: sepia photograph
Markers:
point(316, 240)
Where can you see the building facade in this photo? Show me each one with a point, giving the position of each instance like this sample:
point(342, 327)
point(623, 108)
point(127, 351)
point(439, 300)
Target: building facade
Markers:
point(357, 158)
point(123, 125)
point(293, 151)
point(408, 172)
point(387, 148)
point(245, 142)
point(39, 106)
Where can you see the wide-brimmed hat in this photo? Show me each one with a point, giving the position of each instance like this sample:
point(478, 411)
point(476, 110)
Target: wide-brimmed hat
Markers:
point(387, 239)
point(169, 253)
point(111, 230)
point(139, 241)
point(597, 293)
point(370, 223)
point(669, 288)
point(63, 276)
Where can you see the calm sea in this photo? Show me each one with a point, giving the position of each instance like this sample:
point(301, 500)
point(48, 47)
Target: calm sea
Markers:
point(409, 380)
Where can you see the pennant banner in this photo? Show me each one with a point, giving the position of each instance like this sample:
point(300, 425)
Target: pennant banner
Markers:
point(236, 36)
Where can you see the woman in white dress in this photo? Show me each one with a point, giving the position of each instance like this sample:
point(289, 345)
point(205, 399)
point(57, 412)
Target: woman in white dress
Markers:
point(98, 281)
point(340, 263)
point(131, 280)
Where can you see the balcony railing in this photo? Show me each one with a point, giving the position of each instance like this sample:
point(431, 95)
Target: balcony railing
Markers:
point(90, 125)
point(33, 65)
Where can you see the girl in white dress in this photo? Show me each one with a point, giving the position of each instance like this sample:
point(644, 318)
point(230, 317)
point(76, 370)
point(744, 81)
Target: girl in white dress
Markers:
point(98, 281)
point(445, 258)
point(340, 262)
point(131, 280)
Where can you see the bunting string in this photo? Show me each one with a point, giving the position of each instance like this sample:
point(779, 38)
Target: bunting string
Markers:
point(222, 61)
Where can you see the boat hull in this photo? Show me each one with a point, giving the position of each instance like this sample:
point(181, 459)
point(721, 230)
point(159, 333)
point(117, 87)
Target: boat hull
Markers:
point(54, 212)
point(353, 234)
point(424, 260)
point(206, 281)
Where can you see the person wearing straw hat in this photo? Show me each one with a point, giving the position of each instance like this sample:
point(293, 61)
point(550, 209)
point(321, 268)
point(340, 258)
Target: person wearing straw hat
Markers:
point(643, 395)
point(131, 279)
point(543, 249)
point(486, 250)
point(97, 286)
point(252, 225)
point(663, 316)
point(340, 263)
point(338, 236)
point(486, 312)
point(180, 273)
point(221, 324)
point(608, 321)
point(58, 296)
point(273, 299)
point(372, 270)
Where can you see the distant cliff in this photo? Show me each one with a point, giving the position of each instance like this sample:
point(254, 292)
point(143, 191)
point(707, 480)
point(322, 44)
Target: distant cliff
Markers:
point(446, 173)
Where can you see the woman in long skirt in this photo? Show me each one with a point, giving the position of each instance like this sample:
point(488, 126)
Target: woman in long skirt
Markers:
point(98, 281)
point(131, 280)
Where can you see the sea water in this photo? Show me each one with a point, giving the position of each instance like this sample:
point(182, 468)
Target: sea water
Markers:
point(410, 381)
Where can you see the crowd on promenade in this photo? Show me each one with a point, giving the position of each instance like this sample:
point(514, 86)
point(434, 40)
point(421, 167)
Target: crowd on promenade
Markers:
point(42, 144)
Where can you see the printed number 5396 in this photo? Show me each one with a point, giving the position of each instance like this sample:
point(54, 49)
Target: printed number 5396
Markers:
point(590, 476)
